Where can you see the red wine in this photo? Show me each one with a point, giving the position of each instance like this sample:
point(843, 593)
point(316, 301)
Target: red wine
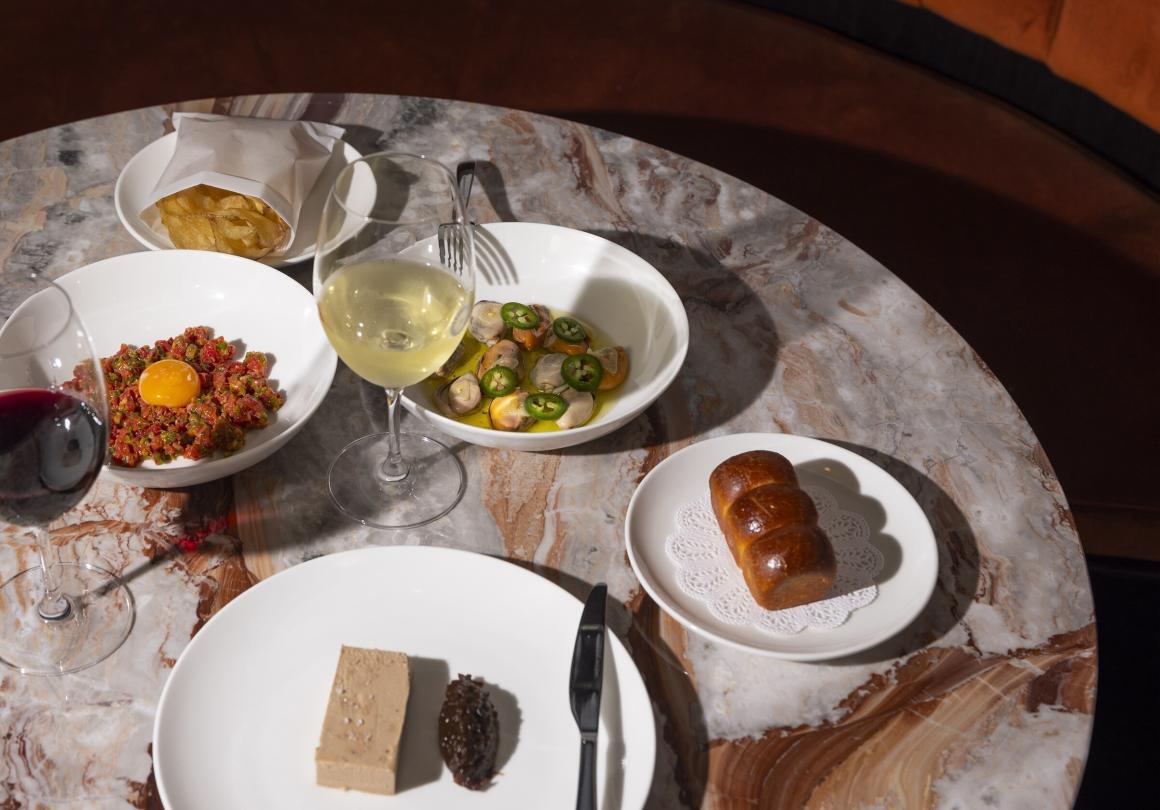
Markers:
point(51, 449)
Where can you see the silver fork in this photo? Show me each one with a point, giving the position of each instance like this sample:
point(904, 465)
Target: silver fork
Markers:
point(491, 260)
point(450, 237)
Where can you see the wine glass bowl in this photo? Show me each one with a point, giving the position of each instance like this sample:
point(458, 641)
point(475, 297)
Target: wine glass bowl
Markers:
point(394, 281)
point(55, 617)
point(52, 430)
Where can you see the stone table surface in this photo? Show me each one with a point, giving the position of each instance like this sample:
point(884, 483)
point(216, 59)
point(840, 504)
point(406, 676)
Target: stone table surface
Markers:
point(985, 700)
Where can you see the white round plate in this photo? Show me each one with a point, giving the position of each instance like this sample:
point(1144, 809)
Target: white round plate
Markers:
point(242, 711)
point(144, 169)
point(142, 297)
point(898, 528)
point(596, 281)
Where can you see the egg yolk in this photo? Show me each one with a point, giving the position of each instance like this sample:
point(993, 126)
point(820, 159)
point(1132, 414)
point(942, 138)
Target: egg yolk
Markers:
point(169, 383)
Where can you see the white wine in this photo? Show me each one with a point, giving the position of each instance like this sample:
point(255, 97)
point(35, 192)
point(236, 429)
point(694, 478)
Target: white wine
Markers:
point(393, 322)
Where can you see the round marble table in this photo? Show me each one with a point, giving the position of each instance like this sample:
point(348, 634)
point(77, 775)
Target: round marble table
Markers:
point(986, 699)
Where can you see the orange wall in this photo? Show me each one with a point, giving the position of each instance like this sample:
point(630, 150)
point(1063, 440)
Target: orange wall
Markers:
point(1110, 47)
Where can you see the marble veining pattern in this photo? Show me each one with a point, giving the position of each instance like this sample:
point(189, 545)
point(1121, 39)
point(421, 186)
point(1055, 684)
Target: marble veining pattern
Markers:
point(985, 701)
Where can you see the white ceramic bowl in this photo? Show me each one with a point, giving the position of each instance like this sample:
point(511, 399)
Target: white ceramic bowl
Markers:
point(136, 181)
point(596, 281)
point(142, 297)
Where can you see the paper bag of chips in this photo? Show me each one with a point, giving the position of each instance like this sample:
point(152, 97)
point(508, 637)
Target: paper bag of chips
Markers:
point(236, 185)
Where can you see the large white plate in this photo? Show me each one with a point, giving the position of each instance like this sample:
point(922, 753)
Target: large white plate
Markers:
point(592, 279)
point(241, 714)
point(899, 529)
point(142, 297)
point(144, 169)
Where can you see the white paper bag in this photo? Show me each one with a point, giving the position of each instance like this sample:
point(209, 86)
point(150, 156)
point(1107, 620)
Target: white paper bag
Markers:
point(276, 161)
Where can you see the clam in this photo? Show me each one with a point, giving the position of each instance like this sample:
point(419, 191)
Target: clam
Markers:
point(555, 344)
point(614, 361)
point(502, 353)
point(546, 374)
point(534, 338)
point(580, 407)
point(454, 360)
point(486, 324)
point(460, 396)
point(507, 413)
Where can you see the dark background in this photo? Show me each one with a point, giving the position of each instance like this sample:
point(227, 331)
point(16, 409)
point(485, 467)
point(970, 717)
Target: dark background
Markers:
point(1042, 253)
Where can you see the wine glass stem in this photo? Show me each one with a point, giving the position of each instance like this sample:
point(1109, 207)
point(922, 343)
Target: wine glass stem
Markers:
point(394, 468)
point(52, 605)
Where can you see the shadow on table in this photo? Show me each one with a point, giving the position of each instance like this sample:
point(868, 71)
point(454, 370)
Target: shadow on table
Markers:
point(732, 355)
point(357, 409)
point(958, 563)
point(680, 723)
point(733, 342)
point(367, 140)
point(978, 252)
point(682, 726)
point(490, 180)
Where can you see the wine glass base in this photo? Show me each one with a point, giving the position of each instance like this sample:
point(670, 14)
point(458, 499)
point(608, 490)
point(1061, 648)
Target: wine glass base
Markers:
point(99, 620)
point(433, 486)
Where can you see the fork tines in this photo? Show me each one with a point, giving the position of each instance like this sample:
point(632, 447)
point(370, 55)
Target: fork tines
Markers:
point(450, 241)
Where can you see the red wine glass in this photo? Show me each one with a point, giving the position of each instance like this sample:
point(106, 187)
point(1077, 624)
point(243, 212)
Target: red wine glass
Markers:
point(55, 617)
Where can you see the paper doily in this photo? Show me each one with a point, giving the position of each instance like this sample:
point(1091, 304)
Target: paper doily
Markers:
point(706, 570)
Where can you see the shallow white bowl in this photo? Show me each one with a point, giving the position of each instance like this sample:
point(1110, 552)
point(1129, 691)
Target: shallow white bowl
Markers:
point(596, 281)
point(144, 169)
point(141, 297)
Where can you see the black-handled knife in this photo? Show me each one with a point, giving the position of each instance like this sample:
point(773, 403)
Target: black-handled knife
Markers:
point(584, 690)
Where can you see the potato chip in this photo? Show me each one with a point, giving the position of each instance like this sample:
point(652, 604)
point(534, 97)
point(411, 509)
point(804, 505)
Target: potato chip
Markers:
point(208, 218)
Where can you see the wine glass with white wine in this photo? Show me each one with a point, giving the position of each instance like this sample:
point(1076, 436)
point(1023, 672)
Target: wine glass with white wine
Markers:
point(394, 278)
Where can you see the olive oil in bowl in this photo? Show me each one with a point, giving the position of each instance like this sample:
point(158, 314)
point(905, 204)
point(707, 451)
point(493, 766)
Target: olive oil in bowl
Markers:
point(528, 359)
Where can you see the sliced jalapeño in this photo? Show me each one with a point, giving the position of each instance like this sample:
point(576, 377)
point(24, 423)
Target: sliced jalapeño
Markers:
point(519, 316)
point(582, 371)
point(569, 330)
point(499, 381)
point(545, 406)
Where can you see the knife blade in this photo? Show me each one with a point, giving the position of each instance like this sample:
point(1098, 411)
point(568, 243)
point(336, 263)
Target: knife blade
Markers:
point(587, 678)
